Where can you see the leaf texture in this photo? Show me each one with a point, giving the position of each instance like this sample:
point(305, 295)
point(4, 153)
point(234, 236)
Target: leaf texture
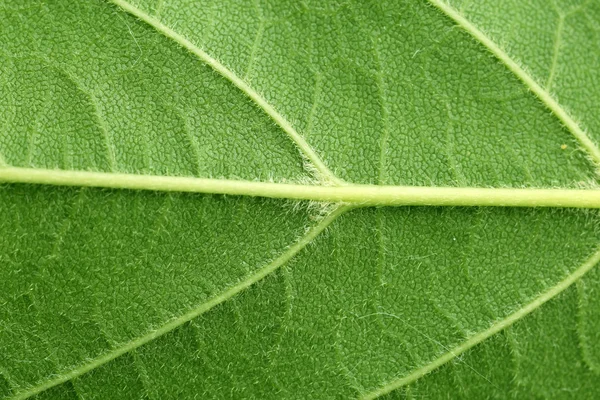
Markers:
point(140, 294)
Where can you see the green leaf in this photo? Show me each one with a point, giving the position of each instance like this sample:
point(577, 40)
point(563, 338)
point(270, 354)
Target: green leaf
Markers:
point(299, 199)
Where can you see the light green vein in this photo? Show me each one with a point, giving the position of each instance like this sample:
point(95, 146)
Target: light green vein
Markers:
point(358, 195)
point(200, 309)
point(545, 97)
point(319, 165)
point(556, 51)
point(492, 330)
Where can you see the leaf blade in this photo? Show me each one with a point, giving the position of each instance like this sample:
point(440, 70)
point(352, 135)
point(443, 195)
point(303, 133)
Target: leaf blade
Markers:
point(450, 98)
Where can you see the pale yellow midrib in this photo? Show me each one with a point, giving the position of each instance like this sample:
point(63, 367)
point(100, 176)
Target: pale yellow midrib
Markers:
point(324, 173)
point(354, 194)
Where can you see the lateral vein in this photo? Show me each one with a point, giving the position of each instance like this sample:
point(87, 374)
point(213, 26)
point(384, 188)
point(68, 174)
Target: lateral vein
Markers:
point(355, 194)
point(543, 95)
point(325, 173)
point(492, 330)
point(188, 316)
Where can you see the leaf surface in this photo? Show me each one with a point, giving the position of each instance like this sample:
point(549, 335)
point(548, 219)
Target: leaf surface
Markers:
point(140, 294)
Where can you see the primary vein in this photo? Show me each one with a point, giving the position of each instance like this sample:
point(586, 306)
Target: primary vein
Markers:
point(355, 194)
point(545, 97)
point(303, 146)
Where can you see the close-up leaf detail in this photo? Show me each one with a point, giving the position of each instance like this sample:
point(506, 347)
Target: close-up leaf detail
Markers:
point(299, 199)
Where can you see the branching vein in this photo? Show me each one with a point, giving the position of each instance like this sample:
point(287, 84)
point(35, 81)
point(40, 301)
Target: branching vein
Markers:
point(492, 330)
point(191, 314)
point(325, 173)
point(585, 141)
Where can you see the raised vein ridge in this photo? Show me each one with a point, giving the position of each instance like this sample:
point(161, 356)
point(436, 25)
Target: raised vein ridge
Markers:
point(354, 194)
point(545, 97)
point(492, 330)
point(294, 249)
point(325, 174)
